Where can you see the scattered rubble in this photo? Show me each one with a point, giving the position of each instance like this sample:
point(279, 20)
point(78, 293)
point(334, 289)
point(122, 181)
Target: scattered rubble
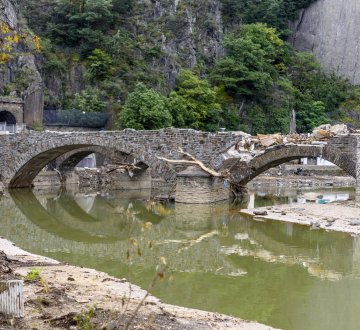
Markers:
point(263, 141)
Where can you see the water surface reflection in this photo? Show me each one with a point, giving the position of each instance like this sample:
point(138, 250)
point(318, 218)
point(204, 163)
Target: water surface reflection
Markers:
point(281, 274)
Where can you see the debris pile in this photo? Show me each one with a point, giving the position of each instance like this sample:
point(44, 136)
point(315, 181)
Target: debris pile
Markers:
point(263, 141)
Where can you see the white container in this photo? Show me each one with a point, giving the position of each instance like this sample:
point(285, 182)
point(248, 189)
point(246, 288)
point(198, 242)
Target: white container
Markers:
point(11, 298)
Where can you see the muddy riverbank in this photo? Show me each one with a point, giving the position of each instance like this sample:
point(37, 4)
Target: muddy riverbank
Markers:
point(69, 297)
point(339, 216)
point(301, 181)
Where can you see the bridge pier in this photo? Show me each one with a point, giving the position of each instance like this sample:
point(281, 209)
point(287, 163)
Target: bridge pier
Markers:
point(195, 186)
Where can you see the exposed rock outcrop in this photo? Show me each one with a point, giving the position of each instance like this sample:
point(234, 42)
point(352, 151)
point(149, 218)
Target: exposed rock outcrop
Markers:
point(8, 13)
point(191, 31)
point(330, 30)
point(20, 77)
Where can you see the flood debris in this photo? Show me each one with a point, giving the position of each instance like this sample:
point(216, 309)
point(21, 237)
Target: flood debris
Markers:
point(250, 143)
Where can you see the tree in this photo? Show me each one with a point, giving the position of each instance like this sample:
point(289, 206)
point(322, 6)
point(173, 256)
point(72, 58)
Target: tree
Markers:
point(193, 103)
point(249, 67)
point(275, 13)
point(89, 100)
point(99, 65)
point(80, 23)
point(310, 114)
point(144, 109)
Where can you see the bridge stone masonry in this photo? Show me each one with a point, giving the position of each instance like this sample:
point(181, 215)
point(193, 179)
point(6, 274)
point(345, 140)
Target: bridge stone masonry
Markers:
point(23, 156)
point(343, 151)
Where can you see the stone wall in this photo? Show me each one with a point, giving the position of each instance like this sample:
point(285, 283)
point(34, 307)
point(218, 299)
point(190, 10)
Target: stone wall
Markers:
point(114, 180)
point(24, 155)
point(46, 179)
point(200, 190)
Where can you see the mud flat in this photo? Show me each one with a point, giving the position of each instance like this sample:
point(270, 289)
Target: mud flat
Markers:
point(302, 181)
point(344, 217)
point(69, 297)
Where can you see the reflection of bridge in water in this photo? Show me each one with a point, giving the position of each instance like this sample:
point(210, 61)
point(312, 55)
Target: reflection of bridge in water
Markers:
point(196, 238)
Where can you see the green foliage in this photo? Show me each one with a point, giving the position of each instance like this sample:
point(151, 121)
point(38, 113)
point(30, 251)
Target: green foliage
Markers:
point(80, 23)
point(145, 109)
point(316, 94)
point(258, 83)
point(276, 13)
point(249, 65)
point(99, 65)
point(83, 319)
point(349, 110)
point(193, 103)
point(310, 115)
point(89, 100)
point(33, 275)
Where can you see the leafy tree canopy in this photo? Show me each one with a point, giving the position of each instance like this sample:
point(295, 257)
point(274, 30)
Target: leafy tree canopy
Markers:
point(144, 109)
point(249, 66)
point(193, 103)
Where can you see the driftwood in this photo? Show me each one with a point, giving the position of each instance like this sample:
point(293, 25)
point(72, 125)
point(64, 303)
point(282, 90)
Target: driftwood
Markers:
point(130, 168)
point(193, 161)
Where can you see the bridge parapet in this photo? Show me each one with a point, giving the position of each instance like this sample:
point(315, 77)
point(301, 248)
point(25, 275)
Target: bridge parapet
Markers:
point(24, 155)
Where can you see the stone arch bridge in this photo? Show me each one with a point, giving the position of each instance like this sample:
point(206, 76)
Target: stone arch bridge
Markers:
point(23, 156)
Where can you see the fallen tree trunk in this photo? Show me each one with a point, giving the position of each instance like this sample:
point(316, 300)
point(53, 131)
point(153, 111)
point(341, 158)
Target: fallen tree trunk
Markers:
point(193, 161)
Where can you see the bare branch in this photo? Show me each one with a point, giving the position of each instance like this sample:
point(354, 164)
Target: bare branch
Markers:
point(194, 161)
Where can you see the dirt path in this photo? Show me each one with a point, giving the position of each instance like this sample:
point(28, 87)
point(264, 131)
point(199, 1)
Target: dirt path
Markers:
point(69, 297)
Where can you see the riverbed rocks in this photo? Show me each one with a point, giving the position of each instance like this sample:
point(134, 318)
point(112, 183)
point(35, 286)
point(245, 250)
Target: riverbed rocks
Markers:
point(260, 212)
point(355, 223)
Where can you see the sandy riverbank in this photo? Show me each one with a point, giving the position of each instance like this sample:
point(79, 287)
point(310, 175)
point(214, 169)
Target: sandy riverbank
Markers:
point(343, 217)
point(67, 293)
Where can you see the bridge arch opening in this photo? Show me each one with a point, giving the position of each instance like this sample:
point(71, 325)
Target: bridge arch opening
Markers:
point(69, 155)
point(244, 172)
point(7, 117)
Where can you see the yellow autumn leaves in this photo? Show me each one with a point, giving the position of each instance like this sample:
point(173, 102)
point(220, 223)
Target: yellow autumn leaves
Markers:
point(9, 38)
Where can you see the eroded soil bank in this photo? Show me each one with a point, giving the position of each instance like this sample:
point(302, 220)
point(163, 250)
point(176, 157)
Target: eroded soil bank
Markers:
point(339, 216)
point(69, 297)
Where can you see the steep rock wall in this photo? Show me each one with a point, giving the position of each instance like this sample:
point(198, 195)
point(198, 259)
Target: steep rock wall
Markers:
point(22, 68)
point(183, 33)
point(330, 29)
point(191, 31)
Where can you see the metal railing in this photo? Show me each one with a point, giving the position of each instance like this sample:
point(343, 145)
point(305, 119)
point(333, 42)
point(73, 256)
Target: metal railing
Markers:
point(75, 118)
point(11, 128)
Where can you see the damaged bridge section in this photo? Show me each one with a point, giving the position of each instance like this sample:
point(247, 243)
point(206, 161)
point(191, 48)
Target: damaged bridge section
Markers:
point(343, 151)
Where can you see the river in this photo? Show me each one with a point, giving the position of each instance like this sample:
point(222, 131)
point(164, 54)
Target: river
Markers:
point(280, 274)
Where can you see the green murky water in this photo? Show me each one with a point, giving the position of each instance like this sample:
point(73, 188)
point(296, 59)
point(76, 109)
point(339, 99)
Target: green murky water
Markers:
point(280, 274)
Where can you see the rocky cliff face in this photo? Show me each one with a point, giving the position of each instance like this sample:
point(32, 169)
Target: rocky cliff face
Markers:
point(20, 77)
point(190, 32)
point(330, 29)
point(170, 35)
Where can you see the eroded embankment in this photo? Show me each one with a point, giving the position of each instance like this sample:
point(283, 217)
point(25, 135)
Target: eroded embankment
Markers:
point(65, 297)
